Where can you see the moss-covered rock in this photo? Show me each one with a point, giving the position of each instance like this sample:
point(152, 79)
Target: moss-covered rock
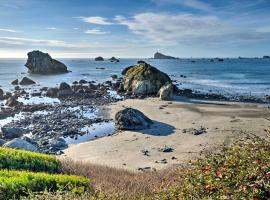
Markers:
point(144, 79)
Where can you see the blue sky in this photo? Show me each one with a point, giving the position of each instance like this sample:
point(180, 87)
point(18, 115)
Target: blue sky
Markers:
point(135, 28)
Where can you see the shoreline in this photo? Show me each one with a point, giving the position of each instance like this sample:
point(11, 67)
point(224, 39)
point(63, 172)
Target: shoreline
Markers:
point(174, 126)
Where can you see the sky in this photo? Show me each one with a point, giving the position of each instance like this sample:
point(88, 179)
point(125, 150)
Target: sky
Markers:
point(135, 28)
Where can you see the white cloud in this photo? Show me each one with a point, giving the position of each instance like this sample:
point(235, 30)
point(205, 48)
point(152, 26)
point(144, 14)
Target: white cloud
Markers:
point(95, 20)
point(165, 28)
point(36, 42)
point(51, 28)
point(75, 28)
point(195, 4)
point(95, 31)
point(8, 30)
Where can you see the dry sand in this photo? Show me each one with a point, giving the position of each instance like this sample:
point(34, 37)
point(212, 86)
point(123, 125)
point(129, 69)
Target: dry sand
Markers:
point(224, 123)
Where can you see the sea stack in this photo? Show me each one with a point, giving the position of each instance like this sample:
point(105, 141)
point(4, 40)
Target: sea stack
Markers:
point(99, 58)
point(42, 63)
point(158, 55)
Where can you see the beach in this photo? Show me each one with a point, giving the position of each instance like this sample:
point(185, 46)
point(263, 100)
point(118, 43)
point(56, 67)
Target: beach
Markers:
point(221, 124)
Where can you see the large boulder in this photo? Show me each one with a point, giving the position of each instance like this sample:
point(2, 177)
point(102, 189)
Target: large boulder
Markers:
point(13, 132)
point(27, 81)
point(18, 143)
point(132, 119)
point(2, 142)
point(144, 79)
point(166, 92)
point(42, 63)
point(64, 86)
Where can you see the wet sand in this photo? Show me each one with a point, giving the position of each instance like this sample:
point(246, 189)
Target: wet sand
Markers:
point(224, 123)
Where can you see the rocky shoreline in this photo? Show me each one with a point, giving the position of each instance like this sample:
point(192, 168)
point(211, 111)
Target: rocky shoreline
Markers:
point(67, 111)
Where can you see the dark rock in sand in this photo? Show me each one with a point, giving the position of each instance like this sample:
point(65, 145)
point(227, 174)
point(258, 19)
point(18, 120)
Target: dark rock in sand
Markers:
point(158, 55)
point(15, 82)
point(132, 119)
point(12, 101)
point(11, 133)
point(20, 144)
point(99, 58)
point(166, 92)
point(42, 63)
point(144, 79)
point(27, 81)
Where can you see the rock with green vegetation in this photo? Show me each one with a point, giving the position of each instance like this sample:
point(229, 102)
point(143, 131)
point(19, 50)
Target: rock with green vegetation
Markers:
point(144, 79)
point(166, 92)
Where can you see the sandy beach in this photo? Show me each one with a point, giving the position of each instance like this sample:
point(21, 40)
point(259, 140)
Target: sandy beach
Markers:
point(174, 124)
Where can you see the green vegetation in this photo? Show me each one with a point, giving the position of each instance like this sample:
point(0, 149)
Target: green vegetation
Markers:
point(18, 183)
point(24, 160)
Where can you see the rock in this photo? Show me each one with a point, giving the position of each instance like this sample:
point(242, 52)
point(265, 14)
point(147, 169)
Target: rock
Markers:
point(2, 142)
point(83, 81)
point(166, 92)
point(1, 94)
point(99, 58)
point(158, 55)
point(12, 101)
point(52, 92)
point(18, 143)
point(58, 144)
point(166, 149)
point(132, 119)
point(11, 133)
point(126, 69)
point(144, 79)
point(15, 82)
point(64, 86)
point(42, 63)
point(75, 83)
point(266, 57)
point(114, 76)
point(141, 62)
point(113, 59)
point(27, 81)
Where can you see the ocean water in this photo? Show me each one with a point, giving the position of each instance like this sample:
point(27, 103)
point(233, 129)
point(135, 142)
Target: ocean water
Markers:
point(231, 77)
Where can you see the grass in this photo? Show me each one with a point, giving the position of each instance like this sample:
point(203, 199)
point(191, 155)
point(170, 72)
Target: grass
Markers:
point(14, 184)
point(241, 171)
point(24, 160)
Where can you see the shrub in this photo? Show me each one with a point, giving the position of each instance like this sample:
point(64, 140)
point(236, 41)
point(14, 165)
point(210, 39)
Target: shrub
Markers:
point(14, 184)
point(24, 160)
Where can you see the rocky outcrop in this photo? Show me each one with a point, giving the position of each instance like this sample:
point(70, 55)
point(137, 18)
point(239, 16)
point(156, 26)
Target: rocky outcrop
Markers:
point(132, 119)
point(113, 59)
point(42, 63)
point(266, 57)
point(15, 82)
point(11, 133)
point(144, 79)
point(27, 81)
point(166, 92)
point(99, 58)
point(158, 55)
point(20, 144)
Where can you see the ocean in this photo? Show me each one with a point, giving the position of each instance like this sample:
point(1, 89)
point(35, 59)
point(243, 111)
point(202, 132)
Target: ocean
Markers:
point(231, 77)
